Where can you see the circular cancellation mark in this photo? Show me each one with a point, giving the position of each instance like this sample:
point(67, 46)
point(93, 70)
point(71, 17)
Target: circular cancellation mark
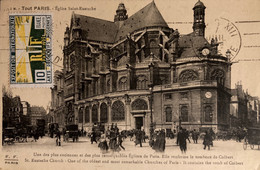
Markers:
point(227, 34)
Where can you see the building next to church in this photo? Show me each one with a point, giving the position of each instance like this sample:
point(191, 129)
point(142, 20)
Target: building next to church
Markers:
point(121, 72)
point(57, 105)
point(244, 108)
point(37, 112)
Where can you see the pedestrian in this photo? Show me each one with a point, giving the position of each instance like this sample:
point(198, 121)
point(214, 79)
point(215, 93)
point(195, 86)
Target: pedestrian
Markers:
point(162, 141)
point(187, 134)
point(181, 140)
point(103, 143)
point(112, 141)
point(93, 137)
point(116, 129)
point(138, 139)
point(207, 140)
point(155, 143)
point(58, 142)
point(35, 135)
point(120, 140)
point(195, 136)
point(143, 135)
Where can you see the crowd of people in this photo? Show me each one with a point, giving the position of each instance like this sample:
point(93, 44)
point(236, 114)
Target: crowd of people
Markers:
point(160, 141)
point(112, 139)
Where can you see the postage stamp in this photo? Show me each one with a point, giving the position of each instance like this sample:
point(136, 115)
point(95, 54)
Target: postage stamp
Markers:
point(30, 49)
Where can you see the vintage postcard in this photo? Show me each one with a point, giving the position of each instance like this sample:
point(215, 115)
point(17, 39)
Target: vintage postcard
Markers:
point(130, 84)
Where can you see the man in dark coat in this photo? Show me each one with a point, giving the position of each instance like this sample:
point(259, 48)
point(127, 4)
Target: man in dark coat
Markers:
point(143, 136)
point(195, 136)
point(207, 140)
point(112, 140)
point(162, 140)
point(181, 140)
point(93, 137)
point(138, 139)
point(58, 136)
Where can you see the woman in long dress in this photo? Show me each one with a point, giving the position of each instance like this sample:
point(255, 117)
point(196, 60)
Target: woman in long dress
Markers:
point(103, 143)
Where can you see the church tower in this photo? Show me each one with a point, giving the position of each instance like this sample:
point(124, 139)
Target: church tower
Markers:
point(199, 19)
point(120, 14)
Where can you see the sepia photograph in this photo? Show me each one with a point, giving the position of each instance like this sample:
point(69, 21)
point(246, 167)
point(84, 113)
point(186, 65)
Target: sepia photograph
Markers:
point(130, 84)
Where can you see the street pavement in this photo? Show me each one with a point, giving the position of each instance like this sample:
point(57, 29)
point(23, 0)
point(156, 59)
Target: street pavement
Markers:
point(84, 143)
point(222, 151)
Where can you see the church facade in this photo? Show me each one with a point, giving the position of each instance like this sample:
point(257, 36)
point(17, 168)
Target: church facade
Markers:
point(136, 71)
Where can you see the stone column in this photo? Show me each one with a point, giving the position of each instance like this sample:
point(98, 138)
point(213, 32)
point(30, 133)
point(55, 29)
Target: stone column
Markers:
point(109, 116)
point(84, 114)
point(128, 114)
point(128, 77)
point(172, 74)
point(98, 109)
point(90, 114)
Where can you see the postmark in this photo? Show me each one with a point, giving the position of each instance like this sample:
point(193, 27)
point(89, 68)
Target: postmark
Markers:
point(227, 33)
point(30, 49)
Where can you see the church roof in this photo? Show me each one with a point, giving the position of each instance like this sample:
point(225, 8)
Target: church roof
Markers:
point(97, 29)
point(107, 31)
point(192, 45)
point(146, 17)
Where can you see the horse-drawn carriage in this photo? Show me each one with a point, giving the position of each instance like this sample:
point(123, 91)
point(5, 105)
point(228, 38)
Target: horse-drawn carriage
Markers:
point(9, 135)
point(252, 138)
point(72, 132)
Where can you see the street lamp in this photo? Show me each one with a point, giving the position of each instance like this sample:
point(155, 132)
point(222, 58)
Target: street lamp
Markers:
point(180, 119)
point(151, 115)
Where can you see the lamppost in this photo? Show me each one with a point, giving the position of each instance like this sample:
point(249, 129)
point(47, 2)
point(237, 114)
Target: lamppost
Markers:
point(211, 119)
point(180, 119)
point(151, 115)
point(82, 127)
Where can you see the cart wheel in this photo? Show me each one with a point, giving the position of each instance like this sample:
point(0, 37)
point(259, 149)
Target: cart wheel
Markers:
point(20, 139)
point(252, 146)
point(245, 145)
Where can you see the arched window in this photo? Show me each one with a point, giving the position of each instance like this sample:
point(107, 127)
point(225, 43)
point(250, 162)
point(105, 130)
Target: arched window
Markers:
point(184, 113)
point(94, 114)
point(218, 75)
point(87, 116)
point(188, 75)
point(122, 83)
point(118, 111)
point(103, 113)
point(139, 104)
point(208, 114)
point(80, 115)
point(168, 114)
point(153, 46)
point(141, 82)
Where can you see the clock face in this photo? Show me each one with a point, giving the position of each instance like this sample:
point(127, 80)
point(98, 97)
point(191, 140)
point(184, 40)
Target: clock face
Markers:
point(205, 51)
point(208, 94)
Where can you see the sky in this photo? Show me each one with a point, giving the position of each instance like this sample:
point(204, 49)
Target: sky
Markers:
point(243, 15)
